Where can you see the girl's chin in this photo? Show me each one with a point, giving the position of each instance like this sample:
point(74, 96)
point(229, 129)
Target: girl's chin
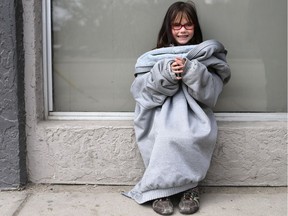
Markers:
point(182, 42)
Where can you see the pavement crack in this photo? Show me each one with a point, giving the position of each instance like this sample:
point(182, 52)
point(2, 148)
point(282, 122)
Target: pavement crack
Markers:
point(21, 206)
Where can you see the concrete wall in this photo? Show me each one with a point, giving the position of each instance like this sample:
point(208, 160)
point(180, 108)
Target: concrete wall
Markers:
point(96, 152)
point(12, 106)
point(104, 152)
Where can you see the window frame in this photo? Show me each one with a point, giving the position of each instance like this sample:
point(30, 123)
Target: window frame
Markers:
point(48, 89)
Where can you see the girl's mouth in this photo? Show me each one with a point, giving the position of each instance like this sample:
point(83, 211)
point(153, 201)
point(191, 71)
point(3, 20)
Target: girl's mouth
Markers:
point(182, 36)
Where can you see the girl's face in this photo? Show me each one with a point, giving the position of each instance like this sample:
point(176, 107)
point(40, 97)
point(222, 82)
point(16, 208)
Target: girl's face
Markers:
point(182, 30)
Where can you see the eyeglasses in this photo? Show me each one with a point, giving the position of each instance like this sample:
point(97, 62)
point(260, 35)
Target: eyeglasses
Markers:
point(178, 26)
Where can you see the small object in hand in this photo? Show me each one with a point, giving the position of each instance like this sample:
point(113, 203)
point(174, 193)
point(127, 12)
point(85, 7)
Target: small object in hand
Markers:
point(178, 74)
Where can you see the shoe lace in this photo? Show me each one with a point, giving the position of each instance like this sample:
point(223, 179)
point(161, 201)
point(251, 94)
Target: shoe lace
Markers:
point(192, 195)
point(163, 199)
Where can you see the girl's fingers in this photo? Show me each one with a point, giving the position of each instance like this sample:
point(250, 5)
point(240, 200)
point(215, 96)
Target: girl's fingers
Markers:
point(177, 67)
point(178, 76)
point(180, 61)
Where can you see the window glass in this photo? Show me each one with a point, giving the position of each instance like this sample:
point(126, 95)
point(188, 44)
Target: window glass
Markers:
point(96, 43)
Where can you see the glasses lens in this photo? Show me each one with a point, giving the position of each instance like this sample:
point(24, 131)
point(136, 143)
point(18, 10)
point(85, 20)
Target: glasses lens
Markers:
point(188, 26)
point(176, 26)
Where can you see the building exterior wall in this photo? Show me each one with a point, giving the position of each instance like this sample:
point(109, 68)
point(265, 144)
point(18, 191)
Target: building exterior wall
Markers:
point(104, 152)
point(12, 105)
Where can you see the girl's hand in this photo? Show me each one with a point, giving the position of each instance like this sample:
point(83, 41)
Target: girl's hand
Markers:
point(177, 67)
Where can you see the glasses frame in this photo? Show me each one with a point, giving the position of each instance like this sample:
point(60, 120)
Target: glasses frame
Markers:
point(180, 26)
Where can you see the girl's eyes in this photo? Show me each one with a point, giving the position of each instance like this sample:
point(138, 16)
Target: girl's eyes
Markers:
point(178, 26)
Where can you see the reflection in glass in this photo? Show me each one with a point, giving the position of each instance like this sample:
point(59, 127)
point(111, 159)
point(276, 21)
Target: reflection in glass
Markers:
point(96, 44)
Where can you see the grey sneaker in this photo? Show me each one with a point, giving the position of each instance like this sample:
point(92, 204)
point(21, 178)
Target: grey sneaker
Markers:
point(190, 201)
point(163, 206)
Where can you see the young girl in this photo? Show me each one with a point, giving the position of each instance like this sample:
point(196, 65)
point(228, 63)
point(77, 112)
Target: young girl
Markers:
point(176, 86)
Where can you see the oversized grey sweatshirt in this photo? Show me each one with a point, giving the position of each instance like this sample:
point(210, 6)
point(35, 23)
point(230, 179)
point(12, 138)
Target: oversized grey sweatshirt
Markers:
point(174, 125)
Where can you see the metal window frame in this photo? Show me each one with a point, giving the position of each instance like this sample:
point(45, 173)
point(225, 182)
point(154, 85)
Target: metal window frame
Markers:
point(47, 57)
point(231, 117)
point(48, 89)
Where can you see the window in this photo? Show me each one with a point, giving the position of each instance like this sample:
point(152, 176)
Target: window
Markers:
point(95, 45)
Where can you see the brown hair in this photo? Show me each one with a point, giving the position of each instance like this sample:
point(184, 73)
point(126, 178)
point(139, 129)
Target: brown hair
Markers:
point(165, 37)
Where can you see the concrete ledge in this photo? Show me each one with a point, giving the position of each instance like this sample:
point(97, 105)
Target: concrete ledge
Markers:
point(250, 153)
point(104, 152)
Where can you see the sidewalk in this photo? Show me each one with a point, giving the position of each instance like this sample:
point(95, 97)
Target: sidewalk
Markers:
point(88, 200)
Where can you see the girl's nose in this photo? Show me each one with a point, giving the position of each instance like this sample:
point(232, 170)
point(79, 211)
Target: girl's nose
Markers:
point(182, 28)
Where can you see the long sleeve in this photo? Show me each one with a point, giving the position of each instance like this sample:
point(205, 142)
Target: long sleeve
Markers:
point(203, 85)
point(152, 88)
